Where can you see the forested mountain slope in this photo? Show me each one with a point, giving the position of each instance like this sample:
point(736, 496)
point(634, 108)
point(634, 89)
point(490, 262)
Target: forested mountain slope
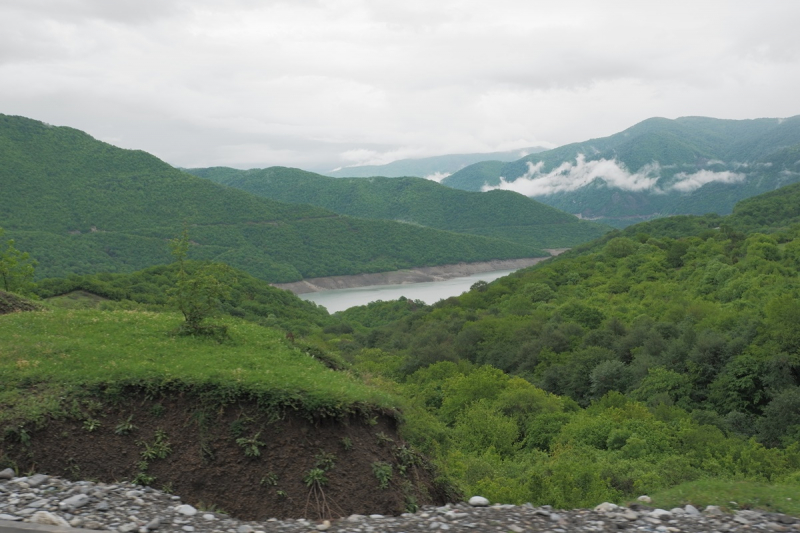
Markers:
point(79, 205)
point(661, 354)
point(501, 214)
point(691, 165)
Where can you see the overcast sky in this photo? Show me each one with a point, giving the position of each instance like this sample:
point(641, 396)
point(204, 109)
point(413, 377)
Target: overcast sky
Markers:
point(319, 84)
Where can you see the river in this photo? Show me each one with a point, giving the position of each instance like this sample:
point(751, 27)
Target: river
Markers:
point(429, 292)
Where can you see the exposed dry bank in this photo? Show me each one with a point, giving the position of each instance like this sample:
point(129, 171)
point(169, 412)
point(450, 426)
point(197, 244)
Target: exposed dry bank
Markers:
point(414, 275)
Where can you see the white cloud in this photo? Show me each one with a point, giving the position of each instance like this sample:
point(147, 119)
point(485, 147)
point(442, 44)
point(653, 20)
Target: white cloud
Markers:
point(437, 176)
point(692, 182)
point(569, 177)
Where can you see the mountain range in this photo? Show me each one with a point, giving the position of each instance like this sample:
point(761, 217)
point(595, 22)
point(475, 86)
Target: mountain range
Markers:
point(659, 167)
point(435, 167)
point(80, 206)
point(501, 214)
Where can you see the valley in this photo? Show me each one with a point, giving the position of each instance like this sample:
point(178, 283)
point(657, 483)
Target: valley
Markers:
point(148, 335)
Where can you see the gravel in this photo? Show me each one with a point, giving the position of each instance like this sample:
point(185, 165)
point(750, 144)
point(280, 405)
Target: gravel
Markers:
point(129, 508)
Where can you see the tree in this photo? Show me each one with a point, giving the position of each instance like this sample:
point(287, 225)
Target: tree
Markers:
point(199, 289)
point(16, 268)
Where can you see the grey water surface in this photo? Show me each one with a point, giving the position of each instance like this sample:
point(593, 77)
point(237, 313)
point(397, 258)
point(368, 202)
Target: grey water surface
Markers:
point(429, 292)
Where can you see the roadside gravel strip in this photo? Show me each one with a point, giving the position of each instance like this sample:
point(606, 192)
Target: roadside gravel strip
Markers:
point(41, 503)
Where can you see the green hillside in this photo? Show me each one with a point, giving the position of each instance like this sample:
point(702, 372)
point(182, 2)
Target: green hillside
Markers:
point(655, 357)
point(417, 201)
point(80, 206)
point(671, 151)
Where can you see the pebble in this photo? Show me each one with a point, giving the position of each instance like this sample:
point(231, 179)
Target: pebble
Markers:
point(125, 508)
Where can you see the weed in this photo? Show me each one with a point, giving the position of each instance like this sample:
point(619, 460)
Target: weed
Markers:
point(270, 479)
point(167, 488)
point(406, 457)
point(125, 427)
point(239, 426)
point(324, 461)
point(91, 424)
point(251, 445)
point(144, 479)
point(159, 449)
point(383, 438)
point(210, 508)
point(347, 444)
point(207, 451)
point(383, 473)
point(315, 478)
point(281, 494)
point(157, 410)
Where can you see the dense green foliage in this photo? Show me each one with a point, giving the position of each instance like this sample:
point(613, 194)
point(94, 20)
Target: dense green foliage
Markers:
point(248, 297)
point(16, 268)
point(657, 356)
point(764, 150)
point(426, 166)
point(80, 206)
point(501, 214)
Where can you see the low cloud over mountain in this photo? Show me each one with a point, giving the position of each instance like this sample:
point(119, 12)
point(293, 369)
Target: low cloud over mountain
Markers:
point(570, 176)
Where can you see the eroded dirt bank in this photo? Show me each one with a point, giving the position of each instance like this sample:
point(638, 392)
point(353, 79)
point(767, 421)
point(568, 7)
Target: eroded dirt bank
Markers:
point(240, 459)
point(414, 275)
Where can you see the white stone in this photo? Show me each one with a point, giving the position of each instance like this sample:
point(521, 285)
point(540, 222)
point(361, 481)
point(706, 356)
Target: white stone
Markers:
point(10, 517)
point(645, 499)
point(73, 502)
point(606, 507)
point(691, 510)
point(186, 510)
point(209, 517)
point(713, 510)
point(515, 528)
point(49, 519)
point(478, 501)
point(325, 525)
point(660, 514)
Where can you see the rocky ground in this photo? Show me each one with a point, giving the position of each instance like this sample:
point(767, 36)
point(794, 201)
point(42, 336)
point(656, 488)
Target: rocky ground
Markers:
point(128, 508)
point(413, 275)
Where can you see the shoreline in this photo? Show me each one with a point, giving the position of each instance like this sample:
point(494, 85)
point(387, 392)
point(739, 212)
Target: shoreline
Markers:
point(411, 275)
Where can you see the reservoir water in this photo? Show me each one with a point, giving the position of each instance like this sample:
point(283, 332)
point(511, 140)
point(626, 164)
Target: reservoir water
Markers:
point(428, 292)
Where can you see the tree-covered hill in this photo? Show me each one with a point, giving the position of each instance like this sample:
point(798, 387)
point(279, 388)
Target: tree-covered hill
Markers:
point(659, 167)
point(662, 354)
point(79, 205)
point(501, 214)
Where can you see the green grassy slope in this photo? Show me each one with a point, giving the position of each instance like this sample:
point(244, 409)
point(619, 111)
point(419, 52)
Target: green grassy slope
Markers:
point(500, 214)
point(69, 352)
point(80, 206)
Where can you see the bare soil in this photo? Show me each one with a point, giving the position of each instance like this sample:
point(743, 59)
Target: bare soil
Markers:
point(11, 303)
point(208, 468)
point(414, 275)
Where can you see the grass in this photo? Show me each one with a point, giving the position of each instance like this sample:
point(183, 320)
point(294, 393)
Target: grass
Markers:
point(732, 496)
point(46, 356)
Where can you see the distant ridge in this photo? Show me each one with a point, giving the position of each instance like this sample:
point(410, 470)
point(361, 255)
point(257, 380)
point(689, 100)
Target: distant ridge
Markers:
point(429, 166)
point(659, 167)
point(501, 214)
